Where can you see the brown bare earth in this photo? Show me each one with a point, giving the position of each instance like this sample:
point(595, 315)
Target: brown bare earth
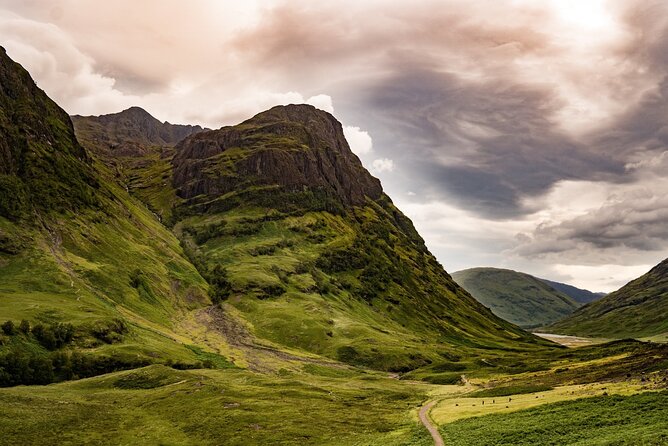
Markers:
point(239, 338)
point(424, 418)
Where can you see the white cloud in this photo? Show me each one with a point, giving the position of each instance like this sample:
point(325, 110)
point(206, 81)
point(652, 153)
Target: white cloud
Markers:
point(382, 165)
point(321, 101)
point(359, 140)
point(601, 277)
point(64, 72)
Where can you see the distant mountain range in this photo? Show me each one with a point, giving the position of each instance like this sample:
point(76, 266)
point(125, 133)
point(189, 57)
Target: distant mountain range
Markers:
point(520, 298)
point(577, 294)
point(516, 297)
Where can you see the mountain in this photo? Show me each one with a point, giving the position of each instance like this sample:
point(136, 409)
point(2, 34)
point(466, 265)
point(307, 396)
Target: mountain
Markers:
point(43, 166)
point(266, 306)
point(638, 309)
point(283, 247)
point(311, 252)
point(137, 149)
point(130, 133)
point(516, 297)
point(577, 294)
point(83, 264)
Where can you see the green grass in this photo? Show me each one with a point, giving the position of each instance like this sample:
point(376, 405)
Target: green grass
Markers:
point(380, 320)
point(510, 390)
point(603, 420)
point(158, 405)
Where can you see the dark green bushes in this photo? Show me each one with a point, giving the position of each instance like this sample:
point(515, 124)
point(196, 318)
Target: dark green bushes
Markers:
point(53, 336)
point(22, 367)
point(220, 287)
point(511, 390)
point(139, 281)
point(109, 332)
point(8, 328)
point(12, 197)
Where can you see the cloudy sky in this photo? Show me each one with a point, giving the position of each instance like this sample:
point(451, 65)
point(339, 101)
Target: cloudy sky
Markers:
point(528, 134)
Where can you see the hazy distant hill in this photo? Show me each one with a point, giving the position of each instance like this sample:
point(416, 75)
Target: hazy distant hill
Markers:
point(578, 294)
point(638, 309)
point(516, 297)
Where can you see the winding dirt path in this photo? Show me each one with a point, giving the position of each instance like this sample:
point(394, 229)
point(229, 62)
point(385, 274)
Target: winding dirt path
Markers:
point(424, 418)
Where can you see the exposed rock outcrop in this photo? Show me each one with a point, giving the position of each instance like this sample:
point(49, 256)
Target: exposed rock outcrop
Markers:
point(294, 147)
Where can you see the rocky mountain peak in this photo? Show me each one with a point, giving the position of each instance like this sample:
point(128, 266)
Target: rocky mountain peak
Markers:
point(129, 133)
point(294, 147)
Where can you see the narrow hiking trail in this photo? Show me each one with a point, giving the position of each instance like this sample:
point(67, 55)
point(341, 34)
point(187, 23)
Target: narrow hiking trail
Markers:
point(424, 418)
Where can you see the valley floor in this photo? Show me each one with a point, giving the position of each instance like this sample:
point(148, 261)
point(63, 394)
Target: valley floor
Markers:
point(567, 403)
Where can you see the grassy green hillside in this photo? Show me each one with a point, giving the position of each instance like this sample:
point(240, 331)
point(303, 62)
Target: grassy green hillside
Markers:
point(516, 297)
point(160, 405)
point(90, 281)
point(638, 309)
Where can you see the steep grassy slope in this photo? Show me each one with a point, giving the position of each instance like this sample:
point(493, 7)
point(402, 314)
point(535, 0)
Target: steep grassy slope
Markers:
point(295, 235)
point(86, 266)
point(516, 297)
point(577, 294)
point(638, 309)
point(138, 149)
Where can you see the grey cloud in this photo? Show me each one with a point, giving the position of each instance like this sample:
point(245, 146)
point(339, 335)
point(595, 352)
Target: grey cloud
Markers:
point(486, 145)
point(635, 222)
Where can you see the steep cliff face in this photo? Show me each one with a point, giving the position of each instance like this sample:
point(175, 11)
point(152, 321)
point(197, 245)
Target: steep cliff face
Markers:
point(42, 166)
point(295, 147)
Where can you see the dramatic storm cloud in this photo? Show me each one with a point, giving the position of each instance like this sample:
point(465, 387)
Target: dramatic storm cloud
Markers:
point(516, 133)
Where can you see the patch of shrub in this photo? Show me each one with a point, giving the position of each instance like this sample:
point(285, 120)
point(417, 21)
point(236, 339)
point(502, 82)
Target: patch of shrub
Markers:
point(444, 379)
point(449, 367)
point(209, 232)
point(347, 354)
point(19, 367)
point(220, 287)
point(109, 332)
point(262, 251)
point(273, 290)
point(53, 336)
point(8, 328)
point(13, 201)
point(511, 390)
point(24, 327)
point(139, 281)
